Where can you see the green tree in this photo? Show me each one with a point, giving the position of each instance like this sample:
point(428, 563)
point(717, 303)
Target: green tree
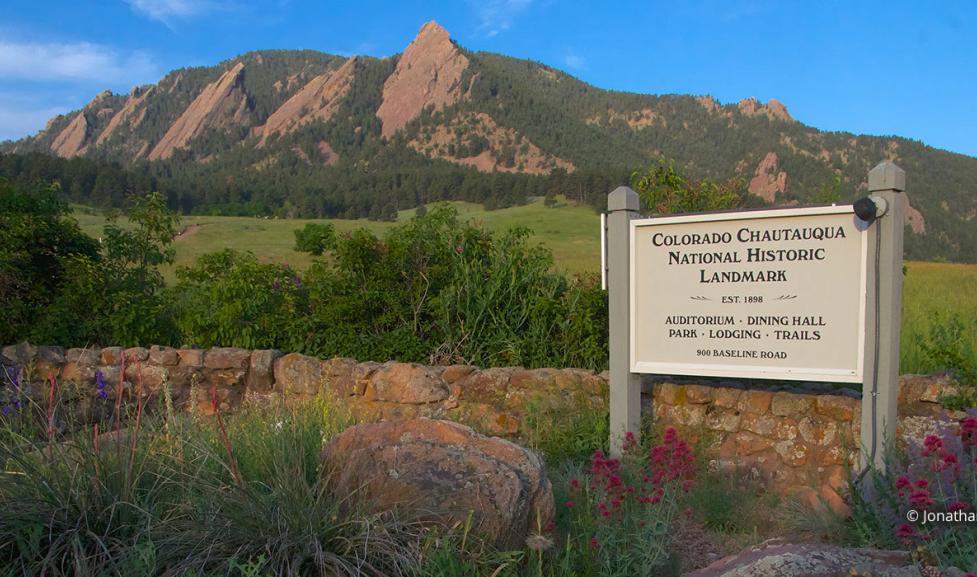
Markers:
point(315, 238)
point(133, 255)
point(664, 190)
point(38, 244)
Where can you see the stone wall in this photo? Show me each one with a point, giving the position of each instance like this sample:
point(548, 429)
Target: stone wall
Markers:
point(796, 439)
point(492, 400)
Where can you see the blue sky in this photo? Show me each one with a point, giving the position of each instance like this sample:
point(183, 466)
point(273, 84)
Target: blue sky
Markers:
point(903, 68)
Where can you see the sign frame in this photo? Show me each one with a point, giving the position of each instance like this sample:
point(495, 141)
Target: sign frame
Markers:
point(753, 371)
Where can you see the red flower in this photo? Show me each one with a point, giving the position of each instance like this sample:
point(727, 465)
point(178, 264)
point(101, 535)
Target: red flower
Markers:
point(921, 499)
point(570, 504)
point(932, 444)
point(957, 506)
point(906, 533)
point(968, 431)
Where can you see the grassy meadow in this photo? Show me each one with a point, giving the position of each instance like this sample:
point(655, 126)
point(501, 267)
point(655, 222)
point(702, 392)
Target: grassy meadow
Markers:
point(932, 293)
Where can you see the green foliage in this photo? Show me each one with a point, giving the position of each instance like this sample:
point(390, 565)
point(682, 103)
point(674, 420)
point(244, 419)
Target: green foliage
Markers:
point(947, 348)
point(231, 299)
point(665, 191)
point(315, 238)
point(40, 248)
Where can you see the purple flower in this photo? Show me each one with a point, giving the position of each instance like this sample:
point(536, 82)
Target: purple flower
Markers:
point(100, 383)
point(13, 375)
point(276, 286)
point(297, 281)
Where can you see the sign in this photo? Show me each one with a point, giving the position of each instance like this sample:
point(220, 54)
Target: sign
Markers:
point(775, 294)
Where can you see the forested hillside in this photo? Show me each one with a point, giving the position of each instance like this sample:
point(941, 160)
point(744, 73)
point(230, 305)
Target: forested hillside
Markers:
point(300, 133)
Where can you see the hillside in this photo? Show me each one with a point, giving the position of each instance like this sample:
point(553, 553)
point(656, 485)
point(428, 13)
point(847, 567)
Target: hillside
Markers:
point(305, 134)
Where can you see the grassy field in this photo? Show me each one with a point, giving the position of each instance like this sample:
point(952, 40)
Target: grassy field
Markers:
point(571, 232)
point(932, 290)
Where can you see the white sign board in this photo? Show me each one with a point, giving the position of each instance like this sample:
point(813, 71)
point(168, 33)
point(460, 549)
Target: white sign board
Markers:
point(776, 294)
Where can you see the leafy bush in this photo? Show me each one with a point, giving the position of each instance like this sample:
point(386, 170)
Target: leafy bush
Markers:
point(231, 299)
point(664, 190)
point(315, 238)
point(946, 347)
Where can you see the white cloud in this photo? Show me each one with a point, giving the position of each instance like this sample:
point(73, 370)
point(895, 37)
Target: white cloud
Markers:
point(20, 118)
point(77, 61)
point(168, 10)
point(575, 61)
point(496, 16)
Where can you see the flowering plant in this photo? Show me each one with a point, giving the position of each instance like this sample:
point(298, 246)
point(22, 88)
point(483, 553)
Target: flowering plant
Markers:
point(926, 500)
point(622, 509)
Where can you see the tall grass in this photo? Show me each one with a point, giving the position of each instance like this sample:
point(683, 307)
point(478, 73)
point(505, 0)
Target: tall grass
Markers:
point(163, 500)
point(932, 294)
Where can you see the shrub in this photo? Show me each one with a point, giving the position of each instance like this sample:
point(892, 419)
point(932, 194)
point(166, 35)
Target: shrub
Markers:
point(619, 514)
point(946, 347)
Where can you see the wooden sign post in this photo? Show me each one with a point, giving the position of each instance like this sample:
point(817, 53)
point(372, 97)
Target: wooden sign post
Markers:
point(809, 294)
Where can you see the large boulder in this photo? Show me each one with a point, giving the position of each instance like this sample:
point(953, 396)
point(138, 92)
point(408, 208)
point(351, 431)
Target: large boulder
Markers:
point(778, 559)
point(444, 472)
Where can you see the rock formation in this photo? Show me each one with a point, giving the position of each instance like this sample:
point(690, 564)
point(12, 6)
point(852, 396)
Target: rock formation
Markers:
point(444, 472)
point(221, 104)
point(427, 74)
point(128, 114)
point(768, 180)
point(774, 109)
point(71, 141)
point(317, 100)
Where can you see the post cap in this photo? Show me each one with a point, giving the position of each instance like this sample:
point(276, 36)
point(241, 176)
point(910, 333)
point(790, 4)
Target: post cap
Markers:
point(622, 198)
point(886, 176)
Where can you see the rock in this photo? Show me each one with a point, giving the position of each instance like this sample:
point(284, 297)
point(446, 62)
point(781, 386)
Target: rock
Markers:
point(49, 361)
point(753, 401)
point(298, 374)
point(726, 398)
point(346, 377)
point(111, 355)
point(191, 357)
point(444, 472)
point(134, 354)
point(455, 373)
point(406, 383)
point(785, 404)
point(227, 358)
point(484, 386)
point(19, 354)
point(82, 357)
point(163, 356)
point(261, 374)
point(777, 559)
point(837, 407)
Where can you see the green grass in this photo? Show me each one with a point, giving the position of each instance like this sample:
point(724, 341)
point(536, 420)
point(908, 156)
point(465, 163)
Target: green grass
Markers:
point(572, 233)
point(934, 291)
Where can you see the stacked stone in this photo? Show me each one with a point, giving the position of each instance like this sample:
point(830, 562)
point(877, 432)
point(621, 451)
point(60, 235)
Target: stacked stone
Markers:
point(493, 400)
point(797, 442)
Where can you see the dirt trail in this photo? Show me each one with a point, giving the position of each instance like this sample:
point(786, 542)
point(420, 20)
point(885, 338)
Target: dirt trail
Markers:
point(187, 232)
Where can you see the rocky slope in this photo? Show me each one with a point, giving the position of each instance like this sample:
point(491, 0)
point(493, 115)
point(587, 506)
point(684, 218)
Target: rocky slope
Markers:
point(257, 117)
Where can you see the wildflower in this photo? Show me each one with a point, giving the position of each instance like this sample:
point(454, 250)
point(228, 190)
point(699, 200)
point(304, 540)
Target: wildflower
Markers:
point(921, 499)
point(968, 431)
point(276, 286)
point(574, 484)
point(570, 504)
point(100, 384)
point(922, 483)
point(459, 249)
point(594, 543)
point(932, 444)
point(957, 506)
point(906, 533)
point(949, 461)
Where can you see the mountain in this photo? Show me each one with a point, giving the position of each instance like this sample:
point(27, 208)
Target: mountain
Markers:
point(303, 133)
